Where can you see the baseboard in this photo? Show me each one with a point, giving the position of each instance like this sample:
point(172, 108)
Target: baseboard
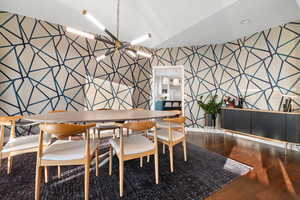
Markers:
point(205, 130)
point(291, 146)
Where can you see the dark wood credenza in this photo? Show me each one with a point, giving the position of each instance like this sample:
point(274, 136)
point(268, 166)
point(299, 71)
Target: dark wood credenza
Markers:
point(267, 124)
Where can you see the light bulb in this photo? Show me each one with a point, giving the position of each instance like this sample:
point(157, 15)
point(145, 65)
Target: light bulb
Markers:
point(132, 54)
point(100, 57)
point(81, 33)
point(93, 20)
point(141, 53)
point(141, 39)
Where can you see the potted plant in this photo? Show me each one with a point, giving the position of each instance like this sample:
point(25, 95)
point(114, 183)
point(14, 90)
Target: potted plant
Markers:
point(211, 109)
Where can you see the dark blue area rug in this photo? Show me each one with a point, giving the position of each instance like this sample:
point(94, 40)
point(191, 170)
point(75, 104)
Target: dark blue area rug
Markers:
point(204, 173)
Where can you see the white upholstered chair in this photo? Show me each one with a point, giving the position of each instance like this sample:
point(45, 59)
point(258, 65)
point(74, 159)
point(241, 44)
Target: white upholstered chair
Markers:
point(133, 147)
point(172, 135)
point(16, 145)
point(105, 126)
point(66, 152)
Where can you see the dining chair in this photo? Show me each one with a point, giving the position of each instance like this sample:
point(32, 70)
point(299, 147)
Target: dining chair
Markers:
point(58, 167)
point(106, 126)
point(171, 136)
point(66, 152)
point(134, 109)
point(16, 145)
point(133, 147)
point(120, 123)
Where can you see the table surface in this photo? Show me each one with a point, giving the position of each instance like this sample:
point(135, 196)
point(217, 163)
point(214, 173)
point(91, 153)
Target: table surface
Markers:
point(100, 116)
point(257, 110)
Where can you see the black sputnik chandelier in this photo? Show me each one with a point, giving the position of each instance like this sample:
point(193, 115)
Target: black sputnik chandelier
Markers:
point(121, 46)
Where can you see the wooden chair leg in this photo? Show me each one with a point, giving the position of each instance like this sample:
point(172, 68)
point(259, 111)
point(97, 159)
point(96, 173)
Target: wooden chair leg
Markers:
point(171, 158)
point(97, 162)
point(114, 133)
point(46, 171)
point(184, 150)
point(98, 133)
point(58, 171)
point(0, 159)
point(9, 164)
point(87, 181)
point(141, 161)
point(121, 176)
point(93, 134)
point(164, 148)
point(156, 168)
point(110, 160)
point(38, 175)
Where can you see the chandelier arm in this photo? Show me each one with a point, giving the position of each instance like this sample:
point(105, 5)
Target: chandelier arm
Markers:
point(131, 49)
point(104, 40)
point(110, 52)
point(124, 45)
point(111, 35)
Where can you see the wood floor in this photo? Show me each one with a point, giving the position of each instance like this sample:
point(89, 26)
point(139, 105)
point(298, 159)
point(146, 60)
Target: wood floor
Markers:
point(274, 175)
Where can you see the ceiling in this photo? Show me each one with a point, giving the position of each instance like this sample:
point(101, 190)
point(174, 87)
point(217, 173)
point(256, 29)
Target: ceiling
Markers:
point(172, 23)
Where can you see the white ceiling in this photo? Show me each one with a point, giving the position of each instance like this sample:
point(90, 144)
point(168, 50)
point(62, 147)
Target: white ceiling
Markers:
point(172, 23)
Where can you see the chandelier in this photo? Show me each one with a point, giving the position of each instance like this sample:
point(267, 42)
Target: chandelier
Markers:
point(121, 46)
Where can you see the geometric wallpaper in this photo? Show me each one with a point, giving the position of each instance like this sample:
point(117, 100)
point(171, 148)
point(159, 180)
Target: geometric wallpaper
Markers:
point(43, 68)
point(260, 68)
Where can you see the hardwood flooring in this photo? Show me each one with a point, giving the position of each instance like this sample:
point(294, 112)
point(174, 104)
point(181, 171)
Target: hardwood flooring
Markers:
point(275, 176)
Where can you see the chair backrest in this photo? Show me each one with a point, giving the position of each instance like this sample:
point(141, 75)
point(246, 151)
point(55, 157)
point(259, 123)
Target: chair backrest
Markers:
point(56, 111)
point(139, 126)
point(136, 109)
point(9, 120)
point(62, 131)
point(178, 120)
point(100, 109)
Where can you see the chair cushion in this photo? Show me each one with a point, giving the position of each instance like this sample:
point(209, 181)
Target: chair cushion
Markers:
point(163, 134)
point(107, 126)
point(23, 143)
point(163, 124)
point(133, 144)
point(67, 150)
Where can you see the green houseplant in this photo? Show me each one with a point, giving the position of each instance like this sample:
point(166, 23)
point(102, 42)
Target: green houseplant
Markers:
point(211, 108)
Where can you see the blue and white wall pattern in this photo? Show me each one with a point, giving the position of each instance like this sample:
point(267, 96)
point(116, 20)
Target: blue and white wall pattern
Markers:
point(42, 68)
point(261, 68)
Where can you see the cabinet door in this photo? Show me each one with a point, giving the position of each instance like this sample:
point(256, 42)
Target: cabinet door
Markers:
point(242, 121)
point(270, 125)
point(227, 117)
point(293, 128)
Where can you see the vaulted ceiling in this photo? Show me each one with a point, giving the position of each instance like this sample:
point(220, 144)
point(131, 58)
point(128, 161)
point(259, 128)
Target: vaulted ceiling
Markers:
point(172, 23)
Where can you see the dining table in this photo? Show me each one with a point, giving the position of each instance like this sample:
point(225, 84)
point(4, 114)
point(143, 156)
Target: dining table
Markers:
point(100, 116)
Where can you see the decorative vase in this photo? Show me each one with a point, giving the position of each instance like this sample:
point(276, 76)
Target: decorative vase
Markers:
point(210, 120)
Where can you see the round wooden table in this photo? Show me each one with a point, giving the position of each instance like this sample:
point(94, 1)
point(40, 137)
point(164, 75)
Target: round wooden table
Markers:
point(100, 116)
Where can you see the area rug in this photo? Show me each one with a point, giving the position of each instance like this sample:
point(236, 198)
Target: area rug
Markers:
point(204, 173)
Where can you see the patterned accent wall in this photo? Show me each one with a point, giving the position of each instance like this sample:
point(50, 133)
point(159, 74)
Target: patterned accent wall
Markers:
point(43, 68)
point(261, 68)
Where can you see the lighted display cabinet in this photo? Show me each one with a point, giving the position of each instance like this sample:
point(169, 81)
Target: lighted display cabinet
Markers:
point(168, 88)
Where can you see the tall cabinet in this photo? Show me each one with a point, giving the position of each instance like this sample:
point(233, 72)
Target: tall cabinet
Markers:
point(168, 88)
